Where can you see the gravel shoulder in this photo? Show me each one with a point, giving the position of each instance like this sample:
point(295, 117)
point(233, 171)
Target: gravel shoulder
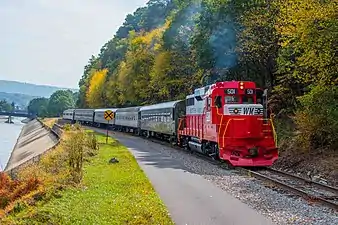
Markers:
point(281, 207)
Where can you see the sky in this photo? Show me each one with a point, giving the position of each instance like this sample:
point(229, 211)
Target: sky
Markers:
point(50, 41)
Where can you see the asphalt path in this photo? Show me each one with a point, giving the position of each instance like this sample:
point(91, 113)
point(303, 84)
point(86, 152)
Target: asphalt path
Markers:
point(190, 198)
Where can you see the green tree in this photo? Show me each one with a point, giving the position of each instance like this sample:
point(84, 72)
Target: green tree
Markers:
point(60, 101)
point(5, 106)
point(38, 106)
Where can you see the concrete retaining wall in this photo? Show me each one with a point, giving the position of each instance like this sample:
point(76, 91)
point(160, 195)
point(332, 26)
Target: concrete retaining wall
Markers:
point(34, 140)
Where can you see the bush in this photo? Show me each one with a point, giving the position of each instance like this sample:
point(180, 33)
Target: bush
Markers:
point(74, 146)
point(67, 127)
point(12, 190)
point(92, 144)
point(317, 118)
point(77, 126)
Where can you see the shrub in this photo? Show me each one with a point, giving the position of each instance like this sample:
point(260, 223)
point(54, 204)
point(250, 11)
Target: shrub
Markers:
point(317, 118)
point(77, 126)
point(67, 127)
point(92, 144)
point(12, 190)
point(74, 147)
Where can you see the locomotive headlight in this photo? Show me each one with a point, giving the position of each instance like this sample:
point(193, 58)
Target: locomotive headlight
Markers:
point(241, 85)
point(253, 151)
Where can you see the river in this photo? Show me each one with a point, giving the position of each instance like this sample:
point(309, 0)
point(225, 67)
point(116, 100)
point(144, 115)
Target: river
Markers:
point(8, 136)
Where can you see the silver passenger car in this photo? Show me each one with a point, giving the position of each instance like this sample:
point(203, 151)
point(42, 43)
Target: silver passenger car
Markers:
point(84, 115)
point(68, 114)
point(99, 116)
point(127, 117)
point(163, 117)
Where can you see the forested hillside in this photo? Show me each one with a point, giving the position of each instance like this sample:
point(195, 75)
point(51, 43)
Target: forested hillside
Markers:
point(164, 50)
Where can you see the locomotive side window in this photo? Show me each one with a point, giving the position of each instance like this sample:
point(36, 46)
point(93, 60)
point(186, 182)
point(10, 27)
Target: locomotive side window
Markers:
point(259, 96)
point(190, 101)
point(218, 101)
point(208, 103)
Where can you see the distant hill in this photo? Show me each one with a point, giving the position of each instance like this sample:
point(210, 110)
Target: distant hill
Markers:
point(22, 93)
point(29, 89)
point(19, 99)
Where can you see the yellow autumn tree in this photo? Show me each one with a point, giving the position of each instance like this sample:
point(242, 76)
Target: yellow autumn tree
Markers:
point(94, 95)
point(308, 28)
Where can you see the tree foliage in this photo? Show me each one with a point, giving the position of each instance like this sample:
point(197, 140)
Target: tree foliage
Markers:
point(39, 107)
point(317, 118)
point(54, 106)
point(169, 47)
point(94, 94)
point(60, 101)
point(5, 106)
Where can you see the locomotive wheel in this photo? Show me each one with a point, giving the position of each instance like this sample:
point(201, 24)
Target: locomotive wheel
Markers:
point(215, 152)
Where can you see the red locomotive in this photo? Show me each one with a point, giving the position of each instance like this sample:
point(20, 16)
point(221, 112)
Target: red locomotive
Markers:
point(227, 120)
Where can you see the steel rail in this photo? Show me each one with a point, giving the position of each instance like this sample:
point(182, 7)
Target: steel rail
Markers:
point(314, 183)
point(293, 189)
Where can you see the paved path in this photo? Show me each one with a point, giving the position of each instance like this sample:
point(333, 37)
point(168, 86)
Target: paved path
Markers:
point(190, 199)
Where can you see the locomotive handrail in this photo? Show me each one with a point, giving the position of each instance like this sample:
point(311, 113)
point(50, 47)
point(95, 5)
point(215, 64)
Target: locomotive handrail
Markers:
point(273, 128)
point(179, 128)
point(274, 132)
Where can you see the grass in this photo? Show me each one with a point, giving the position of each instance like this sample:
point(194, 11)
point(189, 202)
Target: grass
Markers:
point(49, 121)
point(110, 194)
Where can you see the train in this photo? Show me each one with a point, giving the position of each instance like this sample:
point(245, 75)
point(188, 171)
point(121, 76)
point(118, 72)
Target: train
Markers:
point(227, 121)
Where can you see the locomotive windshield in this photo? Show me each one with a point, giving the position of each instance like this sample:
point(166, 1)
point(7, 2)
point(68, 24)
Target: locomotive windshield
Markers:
point(238, 99)
point(233, 97)
point(247, 99)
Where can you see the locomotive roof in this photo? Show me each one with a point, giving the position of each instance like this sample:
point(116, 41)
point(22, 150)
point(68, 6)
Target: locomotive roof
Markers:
point(129, 109)
point(163, 105)
point(103, 110)
point(69, 110)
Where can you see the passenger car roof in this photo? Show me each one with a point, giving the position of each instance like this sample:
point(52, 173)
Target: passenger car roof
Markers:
point(163, 105)
point(103, 110)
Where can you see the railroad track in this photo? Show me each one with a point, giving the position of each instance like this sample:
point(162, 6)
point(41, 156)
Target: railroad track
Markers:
point(308, 189)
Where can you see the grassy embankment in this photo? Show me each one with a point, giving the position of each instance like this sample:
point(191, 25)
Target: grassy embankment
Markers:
point(52, 192)
point(49, 121)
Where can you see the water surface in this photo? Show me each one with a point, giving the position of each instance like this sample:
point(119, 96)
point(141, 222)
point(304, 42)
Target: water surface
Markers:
point(8, 136)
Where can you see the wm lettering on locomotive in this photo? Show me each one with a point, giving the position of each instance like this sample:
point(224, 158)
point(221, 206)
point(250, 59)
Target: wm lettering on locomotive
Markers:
point(252, 111)
point(248, 111)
